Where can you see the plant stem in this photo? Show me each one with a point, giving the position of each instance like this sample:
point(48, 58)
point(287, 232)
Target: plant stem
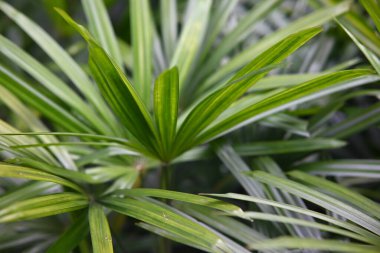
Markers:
point(165, 176)
point(164, 245)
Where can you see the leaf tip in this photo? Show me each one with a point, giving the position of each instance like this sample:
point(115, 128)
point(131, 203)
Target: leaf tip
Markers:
point(79, 28)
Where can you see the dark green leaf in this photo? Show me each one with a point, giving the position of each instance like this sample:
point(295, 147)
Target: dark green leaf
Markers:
point(166, 92)
point(213, 105)
point(72, 236)
point(118, 91)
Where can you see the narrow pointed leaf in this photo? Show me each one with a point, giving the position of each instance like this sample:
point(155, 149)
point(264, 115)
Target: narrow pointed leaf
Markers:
point(101, 27)
point(25, 191)
point(49, 81)
point(72, 236)
point(227, 225)
point(320, 199)
point(282, 81)
point(373, 8)
point(33, 174)
point(369, 236)
point(169, 235)
point(372, 58)
point(337, 190)
point(220, 13)
point(324, 245)
point(118, 91)
point(308, 224)
point(213, 105)
point(168, 10)
point(184, 197)
point(43, 206)
point(166, 94)
point(285, 147)
point(99, 229)
point(354, 123)
point(269, 165)
point(35, 124)
point(60, 57)
point(167, 220)
point(68, 174)
point(315, 88)
point(349, 168)
point(239, 33)
point(39, 101)
point(190, 40)
point(314, 19)
point(8, 142)
point(142, 48)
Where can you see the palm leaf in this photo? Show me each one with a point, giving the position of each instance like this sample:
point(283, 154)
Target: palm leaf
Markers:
point(43, 206)
point(213, 105)
point(99, 229)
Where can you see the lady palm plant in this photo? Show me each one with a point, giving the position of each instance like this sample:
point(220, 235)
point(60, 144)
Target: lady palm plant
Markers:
point(171, 99)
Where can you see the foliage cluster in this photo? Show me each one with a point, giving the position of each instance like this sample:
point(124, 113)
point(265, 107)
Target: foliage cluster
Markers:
point(273, 101)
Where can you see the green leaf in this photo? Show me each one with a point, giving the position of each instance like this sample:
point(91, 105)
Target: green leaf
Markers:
point(301, 222)
point(314, 19)
point(367, 235)
point(361, 29)
point(282, 81)
point(303, 243)
point(118, 91)
point(169, 235)
point(50, 81)
point(72, 236)
point(142, 48)
point(220, 13)
point(35, 124)
point(110, 172)
point(354, 123)
point(231, 245)
point(238, 34)
point(33, 174)
point(100, 232)
point(223, 223)
point(190, 41)
point(184, 197)
point(213, 105)
point(126, 181)
point(101, 27)
point(269, 165)
point(167, 220)
point(312, 89)
point(287, 146)
point(166, 95)
point(74, 134)
point(24, 191)
point(348, 168)
point(69, 174)
point(168, 10)
point(7, 144)
point(39, 101)
point(287, 122)
point(373, 8)
point(120, 144)
point(60, 57)
point(337, 190)
point(372, 58)
point(43, 206)
point(122, 98)
point(320, 199)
